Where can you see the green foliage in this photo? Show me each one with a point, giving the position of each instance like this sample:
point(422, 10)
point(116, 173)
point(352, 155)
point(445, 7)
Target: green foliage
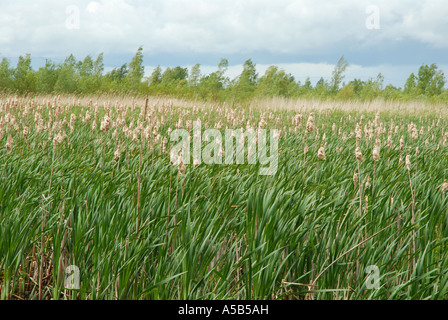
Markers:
point(223, 231)
point(135, 72)
point(391, 92)
point(6, 73)
point(338, 75)
point(46, 78)
point(347, 92)
point(174, 76)
point(410, 85)
point(245, 85)
point(67, 81)
point(430, 81)
point(210, 86)
point(276, 83)
point(23, 75)
point(195, 75)
point(322, 89)
point(156, 76)
point(87, 77)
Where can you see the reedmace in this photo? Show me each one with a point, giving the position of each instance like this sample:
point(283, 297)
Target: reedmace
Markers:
point(321, 153)
point(9, 143)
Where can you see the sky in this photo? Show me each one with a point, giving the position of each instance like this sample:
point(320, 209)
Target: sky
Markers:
point(304, 37)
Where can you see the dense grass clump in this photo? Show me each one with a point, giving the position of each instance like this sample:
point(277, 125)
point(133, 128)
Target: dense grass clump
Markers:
point(92, 187)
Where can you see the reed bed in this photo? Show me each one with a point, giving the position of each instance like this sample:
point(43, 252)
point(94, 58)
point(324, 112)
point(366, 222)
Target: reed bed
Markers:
point(90, 184)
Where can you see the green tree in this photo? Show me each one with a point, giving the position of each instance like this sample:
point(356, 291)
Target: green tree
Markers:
point(24, 75)
point(213, 85)
point(97, 75)
point(379, 81)
point(153, 81)
point(67, 79)
point(372, 88)
point(118, 74)
point(195, 75)
point(46, 78)
point(430, 81)
point(85, 73)
point(410, 85)
point(174, 75)
point(89, 73)
point(136, 71)
point(222, 69)
point(391, 93)
point(246, 83)
point(357, 86)
point(347, 92)
point(338, 75)
point(276, 82)
point(85, 68)
point(6, 74)
point(98, 65)
point(322, 88)
point(113, 81)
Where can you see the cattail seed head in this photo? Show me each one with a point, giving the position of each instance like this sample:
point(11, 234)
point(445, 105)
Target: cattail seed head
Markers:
point(117, 152)
point(408, 162)
point(58, 138)
point(414, 133)
point(72, 122)
point(389, 140)
point(163, 143)
point(358, 154)
point(26, 131)
point(9, 143)
point(376, 153)
point(106, 123)
point(358, 133)
point(195, 162)
point(181, 166)
point(310, 123)
point(444, 186)
point(321, 153)
point(135, 133)
point(367, 185)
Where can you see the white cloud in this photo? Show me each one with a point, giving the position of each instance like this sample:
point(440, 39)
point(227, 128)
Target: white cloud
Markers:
point(427, 22)
point(93, 7)
point(216, 26)
point(227, 27)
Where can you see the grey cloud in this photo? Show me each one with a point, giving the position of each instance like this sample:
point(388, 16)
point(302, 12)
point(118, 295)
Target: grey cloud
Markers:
point(218, 27)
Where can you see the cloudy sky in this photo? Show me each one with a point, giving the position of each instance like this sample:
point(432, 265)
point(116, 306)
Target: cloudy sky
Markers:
point(303, 37)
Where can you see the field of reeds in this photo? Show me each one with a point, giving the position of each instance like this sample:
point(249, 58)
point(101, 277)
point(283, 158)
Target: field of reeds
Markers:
point(92, 207)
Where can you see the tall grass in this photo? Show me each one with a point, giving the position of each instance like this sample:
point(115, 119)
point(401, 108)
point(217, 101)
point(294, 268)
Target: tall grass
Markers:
point(219, 231)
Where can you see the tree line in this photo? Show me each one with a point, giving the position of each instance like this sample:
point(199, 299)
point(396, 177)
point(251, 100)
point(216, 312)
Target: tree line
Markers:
point(87, 76)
